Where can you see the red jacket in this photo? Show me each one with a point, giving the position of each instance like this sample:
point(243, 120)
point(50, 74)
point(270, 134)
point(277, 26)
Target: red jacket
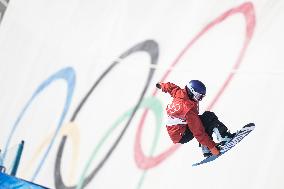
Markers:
point(183, 112)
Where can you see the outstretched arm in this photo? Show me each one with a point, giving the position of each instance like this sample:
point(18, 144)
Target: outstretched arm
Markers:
point(168, 87)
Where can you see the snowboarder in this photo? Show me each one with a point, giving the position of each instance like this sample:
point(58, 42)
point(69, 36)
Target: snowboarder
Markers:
point(184, 122)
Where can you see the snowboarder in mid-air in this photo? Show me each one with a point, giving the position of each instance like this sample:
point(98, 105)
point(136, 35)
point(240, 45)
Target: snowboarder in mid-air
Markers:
point(184, 122)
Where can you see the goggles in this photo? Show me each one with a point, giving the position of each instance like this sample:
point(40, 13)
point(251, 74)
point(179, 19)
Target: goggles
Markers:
point(196, 96)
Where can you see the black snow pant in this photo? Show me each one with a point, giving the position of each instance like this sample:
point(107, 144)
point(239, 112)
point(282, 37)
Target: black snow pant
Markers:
point(209, 121)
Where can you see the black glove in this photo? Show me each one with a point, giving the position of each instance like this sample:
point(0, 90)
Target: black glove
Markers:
point(158, 85)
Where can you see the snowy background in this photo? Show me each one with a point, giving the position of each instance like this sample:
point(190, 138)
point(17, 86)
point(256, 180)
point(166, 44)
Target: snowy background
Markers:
point(77, 80)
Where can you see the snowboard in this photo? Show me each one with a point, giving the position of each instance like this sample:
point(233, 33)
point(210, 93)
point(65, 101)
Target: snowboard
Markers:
point(230, 144)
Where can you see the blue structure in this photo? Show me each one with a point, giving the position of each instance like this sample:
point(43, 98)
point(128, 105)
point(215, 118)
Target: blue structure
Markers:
point(10, 182)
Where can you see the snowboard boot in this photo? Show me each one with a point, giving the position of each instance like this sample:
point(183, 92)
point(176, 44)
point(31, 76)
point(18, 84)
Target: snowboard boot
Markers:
point(205, 151)
point(223, 136)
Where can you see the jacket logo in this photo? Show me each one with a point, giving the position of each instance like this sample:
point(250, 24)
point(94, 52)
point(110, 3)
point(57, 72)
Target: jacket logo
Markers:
point(174, 107)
